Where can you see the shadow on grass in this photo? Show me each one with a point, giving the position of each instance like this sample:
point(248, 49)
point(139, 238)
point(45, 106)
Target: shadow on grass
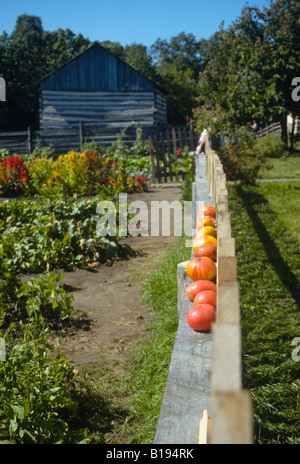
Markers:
point(97, 415)
point(288, 278)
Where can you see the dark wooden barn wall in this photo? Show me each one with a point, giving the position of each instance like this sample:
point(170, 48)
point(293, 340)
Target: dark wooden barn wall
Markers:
point(67, 109)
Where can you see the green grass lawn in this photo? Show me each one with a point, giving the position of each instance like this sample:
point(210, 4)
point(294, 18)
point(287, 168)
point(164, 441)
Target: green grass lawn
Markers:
point(265, 223)
point(281, 163)
point(281, 168)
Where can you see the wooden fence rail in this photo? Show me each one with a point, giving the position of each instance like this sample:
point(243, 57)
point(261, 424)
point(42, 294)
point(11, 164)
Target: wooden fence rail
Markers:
point(75, 137)
point(164, 152)
point(269, 129)
point(204, 400)
point(231, 406)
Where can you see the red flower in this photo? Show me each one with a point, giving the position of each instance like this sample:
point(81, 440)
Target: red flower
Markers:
point(14, 173)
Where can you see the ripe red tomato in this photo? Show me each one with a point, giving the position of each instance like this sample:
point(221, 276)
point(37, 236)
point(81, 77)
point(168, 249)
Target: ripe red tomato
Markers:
point(201, 269)
point(201, 317)
point(207, 249)
point(205, 239)
point(206, 297)
point(208, 210)
point(205, 221)
point(199, 286)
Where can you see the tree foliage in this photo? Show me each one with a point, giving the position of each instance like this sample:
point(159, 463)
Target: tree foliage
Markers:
point(26, 56)
point(247, 68)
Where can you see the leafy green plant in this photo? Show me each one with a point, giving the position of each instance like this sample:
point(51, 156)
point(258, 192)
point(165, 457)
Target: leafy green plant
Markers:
point(270, 146)
point(37, 300)
point(37, 391)
point(213, 118)
point(186, 165)
point(44, 235)
point(240, 159)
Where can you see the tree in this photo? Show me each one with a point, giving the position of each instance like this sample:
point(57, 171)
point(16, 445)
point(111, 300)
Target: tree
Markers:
point(182, 50)
point(282, 32)
point(26, 56)
point(178, 63)
point(61, 46)
point(138, 57)
point(21, 66)
point(249, 67)
point(114, 47)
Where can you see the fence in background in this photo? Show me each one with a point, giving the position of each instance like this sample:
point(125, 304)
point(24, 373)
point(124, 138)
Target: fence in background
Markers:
point(269, 129)
point(64, 140)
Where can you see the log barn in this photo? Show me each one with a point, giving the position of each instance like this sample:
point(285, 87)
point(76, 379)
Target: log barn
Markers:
point(97, 87)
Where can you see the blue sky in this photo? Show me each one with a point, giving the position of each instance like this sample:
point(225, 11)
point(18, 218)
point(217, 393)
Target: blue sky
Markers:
point(128, 21)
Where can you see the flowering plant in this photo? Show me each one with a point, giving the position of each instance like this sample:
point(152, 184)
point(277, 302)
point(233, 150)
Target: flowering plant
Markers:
point(213, 118)
point(141, 182)
point(13, 175)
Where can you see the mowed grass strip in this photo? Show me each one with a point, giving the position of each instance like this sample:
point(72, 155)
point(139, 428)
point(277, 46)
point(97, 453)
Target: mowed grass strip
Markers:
point(150, 366)
point(265, 224)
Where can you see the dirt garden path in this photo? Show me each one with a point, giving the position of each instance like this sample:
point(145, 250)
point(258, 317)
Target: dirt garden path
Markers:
point(109, 296)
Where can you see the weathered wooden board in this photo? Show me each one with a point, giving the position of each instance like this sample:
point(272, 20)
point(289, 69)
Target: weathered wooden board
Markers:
point(232, 423)
point(187, 392)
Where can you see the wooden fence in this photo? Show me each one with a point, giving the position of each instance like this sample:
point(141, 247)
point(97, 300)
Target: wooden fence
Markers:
point(164, 153)
point(231, 405)
point(269, 129)
point(64, 140)
point(204, 401)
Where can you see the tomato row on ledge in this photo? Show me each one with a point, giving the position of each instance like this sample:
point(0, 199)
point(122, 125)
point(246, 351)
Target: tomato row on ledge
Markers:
point(202, 270)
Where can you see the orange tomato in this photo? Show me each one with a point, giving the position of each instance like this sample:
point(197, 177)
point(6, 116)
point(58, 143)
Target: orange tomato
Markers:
point(201, 317)
point(208, 210)
point(207, 230)
point(205, 221)
point(204, 239)
point(207, 249)
point(201, 269)
point(199, 286)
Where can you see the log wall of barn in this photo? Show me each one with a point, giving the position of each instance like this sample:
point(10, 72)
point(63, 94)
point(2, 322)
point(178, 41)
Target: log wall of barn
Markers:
point(60, 109)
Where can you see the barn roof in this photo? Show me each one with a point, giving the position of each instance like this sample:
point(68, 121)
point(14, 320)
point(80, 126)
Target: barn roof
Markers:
point(97, 68)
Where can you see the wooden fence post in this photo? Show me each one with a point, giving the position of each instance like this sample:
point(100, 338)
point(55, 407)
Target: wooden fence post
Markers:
point(227, 269)
point(162, 144)
point(80, 134)
point(169, 154)
point(223, 224)
point(226, 358)
point(192, 144)
point(29, 140)
point(232, 418)
point(152, 160)
point(228, 303)
point(157, 158)
point(174, 149)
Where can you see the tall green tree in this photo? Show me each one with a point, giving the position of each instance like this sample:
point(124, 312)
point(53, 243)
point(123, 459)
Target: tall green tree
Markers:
point(27, 55)
point(61, 46)
point(21, 66)
point(282, 33)
point(249, 67)
point(138, 57)
point(178, 63)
